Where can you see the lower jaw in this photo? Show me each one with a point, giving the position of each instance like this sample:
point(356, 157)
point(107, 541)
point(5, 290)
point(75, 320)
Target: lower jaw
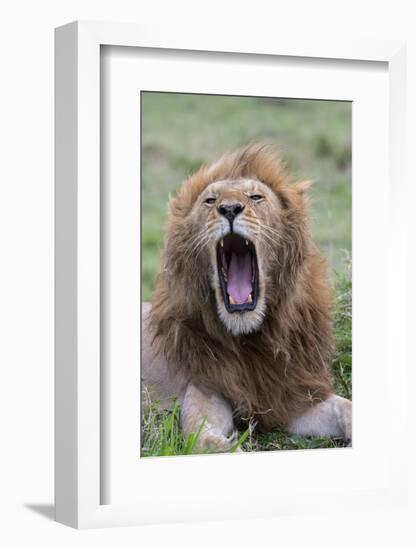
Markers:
point(239, 309)
point(240, 324)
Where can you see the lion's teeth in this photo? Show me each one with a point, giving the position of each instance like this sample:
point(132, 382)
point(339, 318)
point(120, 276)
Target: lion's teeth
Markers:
point(221, 243)
point(224, 273)
point(249, 299)
point(247, 243)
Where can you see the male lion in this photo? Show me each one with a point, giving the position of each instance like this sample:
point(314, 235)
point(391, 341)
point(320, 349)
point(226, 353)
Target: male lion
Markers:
point(240, 325)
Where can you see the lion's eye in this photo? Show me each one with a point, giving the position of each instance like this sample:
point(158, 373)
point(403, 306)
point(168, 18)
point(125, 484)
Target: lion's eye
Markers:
point(256, 197)
point(210, 200)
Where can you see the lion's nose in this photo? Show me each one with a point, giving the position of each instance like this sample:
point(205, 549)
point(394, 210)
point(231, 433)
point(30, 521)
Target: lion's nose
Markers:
point(230, 210)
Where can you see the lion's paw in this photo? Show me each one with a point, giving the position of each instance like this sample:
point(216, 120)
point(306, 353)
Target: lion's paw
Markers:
point(213, 441)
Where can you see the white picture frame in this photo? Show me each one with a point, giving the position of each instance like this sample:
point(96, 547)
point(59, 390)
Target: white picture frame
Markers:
point(78, 384)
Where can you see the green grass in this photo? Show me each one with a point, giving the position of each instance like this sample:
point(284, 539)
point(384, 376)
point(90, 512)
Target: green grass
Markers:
point(179, 133)
point(161, 434)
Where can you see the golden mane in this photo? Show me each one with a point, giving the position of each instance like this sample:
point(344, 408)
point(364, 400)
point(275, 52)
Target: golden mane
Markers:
point(282, 368)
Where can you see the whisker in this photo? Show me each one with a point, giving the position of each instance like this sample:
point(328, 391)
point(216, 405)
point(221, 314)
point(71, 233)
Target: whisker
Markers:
point(198, 245)
point(272, 230)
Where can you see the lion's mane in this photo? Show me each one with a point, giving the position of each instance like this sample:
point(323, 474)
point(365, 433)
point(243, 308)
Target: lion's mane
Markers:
point(282, 368)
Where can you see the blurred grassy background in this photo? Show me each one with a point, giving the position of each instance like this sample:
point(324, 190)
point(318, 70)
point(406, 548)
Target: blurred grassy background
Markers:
point(182, 131)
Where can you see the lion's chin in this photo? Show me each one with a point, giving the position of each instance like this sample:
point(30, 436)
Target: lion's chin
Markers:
point(245, 322)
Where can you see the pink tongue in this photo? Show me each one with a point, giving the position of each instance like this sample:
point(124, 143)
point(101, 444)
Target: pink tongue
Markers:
point(239, 277)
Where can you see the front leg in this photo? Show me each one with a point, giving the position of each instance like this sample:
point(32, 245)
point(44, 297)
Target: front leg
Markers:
point(201, 405)
point(330, 418)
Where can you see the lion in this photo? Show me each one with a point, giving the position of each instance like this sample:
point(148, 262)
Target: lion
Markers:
point(240, 327)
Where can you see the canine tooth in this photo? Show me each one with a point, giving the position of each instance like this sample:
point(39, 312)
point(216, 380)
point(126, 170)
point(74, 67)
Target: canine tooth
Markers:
point(247, 243)
point(249, 299)
point(221, 243)
point(231, 300)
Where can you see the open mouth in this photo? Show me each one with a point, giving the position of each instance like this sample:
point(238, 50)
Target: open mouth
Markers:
point(238, 273)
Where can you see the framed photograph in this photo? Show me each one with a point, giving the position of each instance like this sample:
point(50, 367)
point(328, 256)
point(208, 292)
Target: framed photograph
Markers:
point(228, 326)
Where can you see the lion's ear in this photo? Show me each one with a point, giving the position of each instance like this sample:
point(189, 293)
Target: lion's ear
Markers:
point(303, 186)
